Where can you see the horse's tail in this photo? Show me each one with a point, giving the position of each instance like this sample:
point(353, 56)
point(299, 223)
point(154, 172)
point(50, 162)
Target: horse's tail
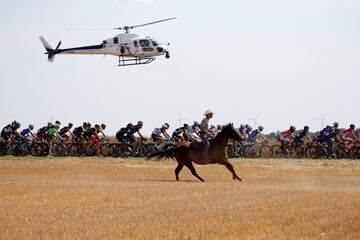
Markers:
point(168, 153)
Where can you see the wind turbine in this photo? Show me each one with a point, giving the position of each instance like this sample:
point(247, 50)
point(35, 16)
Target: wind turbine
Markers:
point(181, 120)
point(321, 119)
point(255, 121)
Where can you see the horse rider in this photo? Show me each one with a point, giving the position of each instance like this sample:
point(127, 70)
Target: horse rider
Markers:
point(206, 133)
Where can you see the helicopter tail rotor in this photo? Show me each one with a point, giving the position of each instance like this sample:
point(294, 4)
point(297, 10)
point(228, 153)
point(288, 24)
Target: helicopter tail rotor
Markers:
point(49, 50)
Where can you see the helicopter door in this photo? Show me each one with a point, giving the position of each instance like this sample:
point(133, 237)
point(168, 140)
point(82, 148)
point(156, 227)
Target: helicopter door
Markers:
point(136, 47)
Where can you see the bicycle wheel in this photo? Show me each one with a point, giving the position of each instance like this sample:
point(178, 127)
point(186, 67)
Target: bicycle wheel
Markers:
point(355, 153)
point(277, 151)
point(231, 151)
point(265, 151)
point(2, 148)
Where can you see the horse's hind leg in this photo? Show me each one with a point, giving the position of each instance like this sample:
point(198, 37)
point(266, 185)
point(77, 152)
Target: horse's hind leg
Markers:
point(230, 167)
point(177, 170)
point(193, 171)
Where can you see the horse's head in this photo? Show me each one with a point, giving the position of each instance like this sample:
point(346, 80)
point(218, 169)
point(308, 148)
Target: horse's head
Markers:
point(229, 131)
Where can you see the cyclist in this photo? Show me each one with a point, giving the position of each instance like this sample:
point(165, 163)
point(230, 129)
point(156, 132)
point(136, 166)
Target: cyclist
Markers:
point(52, 131)
point(286, 137)
point(349, 136)
point(180, 131)
point(121, 135)
point(10, 131)
point(79, 131)
point(156, 134)
point(248, 130)
point(299, 138)
point(65, 131)
point(192, 132)
point(216, 130)
point(27, 132)
point(257, 132)
point(135, 129)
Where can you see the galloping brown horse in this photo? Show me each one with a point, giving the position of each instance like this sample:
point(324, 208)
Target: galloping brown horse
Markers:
point(185, 155)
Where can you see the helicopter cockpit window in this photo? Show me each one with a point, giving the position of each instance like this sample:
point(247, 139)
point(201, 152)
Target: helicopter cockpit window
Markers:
point(154, 42)
point(136, 44)
point(116, 40)
point(144, 43)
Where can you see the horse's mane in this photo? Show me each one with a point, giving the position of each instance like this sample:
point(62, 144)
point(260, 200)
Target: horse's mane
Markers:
point(223, 131)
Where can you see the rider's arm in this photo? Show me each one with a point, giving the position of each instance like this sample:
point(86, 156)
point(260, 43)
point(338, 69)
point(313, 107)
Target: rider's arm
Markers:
point(263, 137)
point(166, 134)
point(103, 134)
point(140, 135)
point(32, 135)
point(356, 138)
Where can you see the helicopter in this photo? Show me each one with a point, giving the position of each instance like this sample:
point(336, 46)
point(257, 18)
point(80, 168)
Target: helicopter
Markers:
point(131, 48)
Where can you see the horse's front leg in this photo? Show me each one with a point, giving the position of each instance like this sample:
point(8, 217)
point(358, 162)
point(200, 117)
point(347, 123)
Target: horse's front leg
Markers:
point(230, 167)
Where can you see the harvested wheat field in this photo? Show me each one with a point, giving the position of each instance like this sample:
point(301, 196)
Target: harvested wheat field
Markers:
point(93, 198)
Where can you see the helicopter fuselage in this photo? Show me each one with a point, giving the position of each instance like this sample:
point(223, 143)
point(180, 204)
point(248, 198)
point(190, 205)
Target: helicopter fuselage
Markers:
point(131, 46)
point(126, 44)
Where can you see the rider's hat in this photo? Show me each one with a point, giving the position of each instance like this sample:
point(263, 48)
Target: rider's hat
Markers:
point(208, 112)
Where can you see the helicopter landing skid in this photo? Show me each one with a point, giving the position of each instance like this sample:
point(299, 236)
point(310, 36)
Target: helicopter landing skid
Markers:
point(134, 61)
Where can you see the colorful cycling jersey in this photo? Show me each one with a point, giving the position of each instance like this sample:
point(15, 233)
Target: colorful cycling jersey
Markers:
point(179, 131)
point(157, 131)
point(327, 133)
point(63, 131)
point(286, 134)
point(253, 134)
point(89, 132)
point(192, 130)
point(348, 132)
point(50, 132)
point(7, 132)
point(25, 133)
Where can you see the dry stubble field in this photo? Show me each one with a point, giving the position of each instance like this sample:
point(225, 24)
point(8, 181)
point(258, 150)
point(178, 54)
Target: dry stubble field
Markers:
point(93, 198)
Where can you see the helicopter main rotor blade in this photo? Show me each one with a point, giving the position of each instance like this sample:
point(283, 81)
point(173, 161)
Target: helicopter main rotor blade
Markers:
point(89, 29)
point(145, 24)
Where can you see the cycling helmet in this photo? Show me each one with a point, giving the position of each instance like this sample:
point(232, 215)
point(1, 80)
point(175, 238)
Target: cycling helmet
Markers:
point(261, 128)
point(70, 125)
point(140, 123)
point(103, 126)
point(306, 128)
point(17, 124)
point(336, 124)
point(352, 126)
point(97, 126)
point(88, 124)
point(165, 126)
point(31, 127)
point(186, 125)
point(57, 122)
point(196, 123)
point(84, 124)
point(247, 126)
point(129, 125)
point(292, 129)
point(242, 126)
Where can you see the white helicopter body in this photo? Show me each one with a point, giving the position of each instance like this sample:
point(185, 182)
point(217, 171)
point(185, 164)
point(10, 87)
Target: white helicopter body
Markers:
point(131, 48)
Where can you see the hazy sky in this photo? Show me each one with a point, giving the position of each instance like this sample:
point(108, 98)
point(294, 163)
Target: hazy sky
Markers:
point(289, 61)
